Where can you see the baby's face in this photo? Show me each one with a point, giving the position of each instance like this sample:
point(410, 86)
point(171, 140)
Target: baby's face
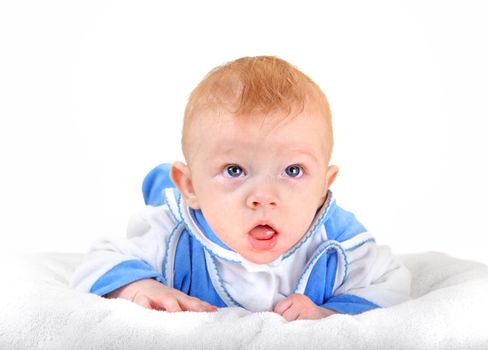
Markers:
point(259, 180)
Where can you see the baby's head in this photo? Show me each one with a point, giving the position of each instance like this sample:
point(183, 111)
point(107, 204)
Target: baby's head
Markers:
point(257, 139)
point(253, 86)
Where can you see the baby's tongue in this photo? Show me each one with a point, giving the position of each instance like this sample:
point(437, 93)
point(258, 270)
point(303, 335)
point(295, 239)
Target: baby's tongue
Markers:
point(263, 238)
point(262, 232)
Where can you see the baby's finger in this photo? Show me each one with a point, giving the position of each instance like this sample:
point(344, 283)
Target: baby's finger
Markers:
point(202, 306)
point(282, 306)
point(170, 305)
point(196, 305)
point(291, 314)
point(142, 301)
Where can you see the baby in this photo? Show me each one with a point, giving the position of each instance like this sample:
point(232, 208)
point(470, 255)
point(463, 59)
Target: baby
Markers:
point(252, 222)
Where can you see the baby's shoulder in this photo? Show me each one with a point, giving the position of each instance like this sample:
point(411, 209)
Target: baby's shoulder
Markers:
point(158, 219)
point(342, 225)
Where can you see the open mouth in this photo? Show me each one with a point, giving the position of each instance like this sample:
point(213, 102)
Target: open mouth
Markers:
point(263, 237)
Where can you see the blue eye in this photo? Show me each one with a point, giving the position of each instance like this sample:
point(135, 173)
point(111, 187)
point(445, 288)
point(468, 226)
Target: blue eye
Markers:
point(233, 171)
point(294, 171)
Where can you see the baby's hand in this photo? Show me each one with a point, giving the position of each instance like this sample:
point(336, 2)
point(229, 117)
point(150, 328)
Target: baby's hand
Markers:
point(154, 295)
point(300, 307)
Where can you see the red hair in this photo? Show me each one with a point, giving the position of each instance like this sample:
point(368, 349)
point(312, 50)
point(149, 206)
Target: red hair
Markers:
point(251, 85)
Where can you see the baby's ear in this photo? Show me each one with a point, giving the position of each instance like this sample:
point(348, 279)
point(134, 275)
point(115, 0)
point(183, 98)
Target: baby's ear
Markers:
point(181, 177)
point(330, 176)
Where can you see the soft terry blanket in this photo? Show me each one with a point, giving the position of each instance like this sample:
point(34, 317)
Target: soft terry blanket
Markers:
point(39, 311)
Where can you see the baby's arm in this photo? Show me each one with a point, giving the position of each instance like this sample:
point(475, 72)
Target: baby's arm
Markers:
point(300, 307)
point(372, 276)
point(154, 295)
point(375, 279)
point(132, 268)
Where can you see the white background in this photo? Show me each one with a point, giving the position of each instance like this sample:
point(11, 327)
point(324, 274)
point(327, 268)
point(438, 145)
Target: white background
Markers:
point(92, 95)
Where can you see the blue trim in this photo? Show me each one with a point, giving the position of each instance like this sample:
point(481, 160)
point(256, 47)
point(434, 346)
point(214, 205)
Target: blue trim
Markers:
point(360, 244)
point(122, 274)
point(165, 201)
point(177, 196)
point(349, 304)
point(221, 282)
point(166, 253)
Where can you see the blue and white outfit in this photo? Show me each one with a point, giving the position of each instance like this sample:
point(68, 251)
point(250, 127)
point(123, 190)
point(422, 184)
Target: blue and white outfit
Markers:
point(336, 264)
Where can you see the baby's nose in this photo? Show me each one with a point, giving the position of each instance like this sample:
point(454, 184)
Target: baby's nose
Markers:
point(263, 199)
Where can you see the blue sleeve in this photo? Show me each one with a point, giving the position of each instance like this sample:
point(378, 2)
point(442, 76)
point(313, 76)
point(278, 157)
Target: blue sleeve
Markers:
point(123, 274)
point(349, 304)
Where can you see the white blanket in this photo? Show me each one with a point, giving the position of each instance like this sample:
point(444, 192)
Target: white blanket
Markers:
point(38, 311)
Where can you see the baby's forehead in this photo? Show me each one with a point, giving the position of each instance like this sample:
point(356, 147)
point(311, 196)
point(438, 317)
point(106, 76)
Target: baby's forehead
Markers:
point(223, 132)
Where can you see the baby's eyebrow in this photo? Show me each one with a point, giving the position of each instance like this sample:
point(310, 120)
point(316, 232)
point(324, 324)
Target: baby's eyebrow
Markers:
point(225, 150)
point(302, 151)
point(222, 152)
point(228, 148)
